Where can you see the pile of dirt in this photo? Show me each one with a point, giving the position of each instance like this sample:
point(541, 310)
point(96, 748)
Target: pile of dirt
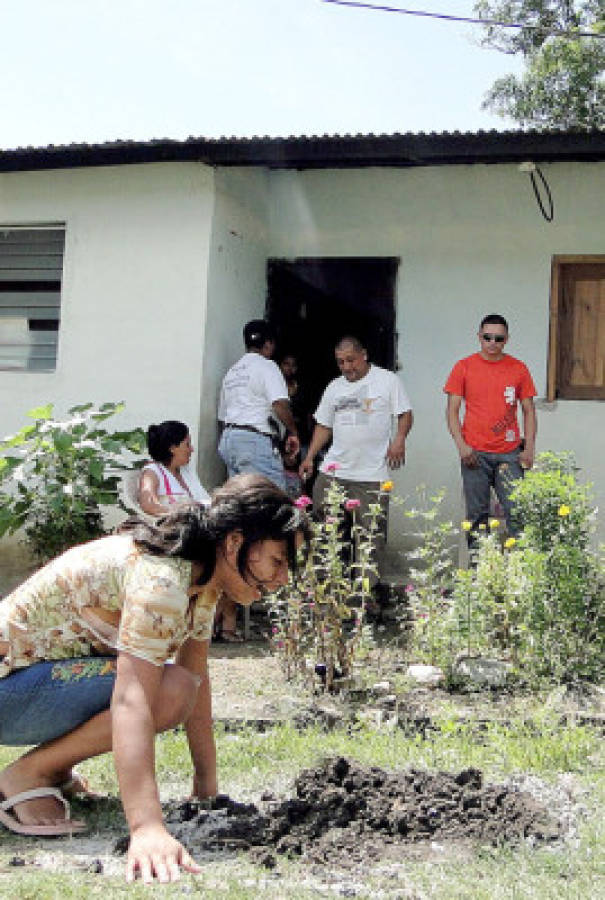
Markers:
point(343, 811)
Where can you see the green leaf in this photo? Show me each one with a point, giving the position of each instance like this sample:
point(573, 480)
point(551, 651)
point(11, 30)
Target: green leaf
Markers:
point(83, 407)
point(41, 412)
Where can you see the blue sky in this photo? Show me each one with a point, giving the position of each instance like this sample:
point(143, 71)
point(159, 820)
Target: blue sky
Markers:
point(82, 70)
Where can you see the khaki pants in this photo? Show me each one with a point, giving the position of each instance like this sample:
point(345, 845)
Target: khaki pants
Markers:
point(366, 492)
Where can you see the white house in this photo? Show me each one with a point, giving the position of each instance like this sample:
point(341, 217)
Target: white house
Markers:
point(128, 269)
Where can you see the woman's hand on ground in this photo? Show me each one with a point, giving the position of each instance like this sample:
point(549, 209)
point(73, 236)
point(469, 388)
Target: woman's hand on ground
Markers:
point(155, 854)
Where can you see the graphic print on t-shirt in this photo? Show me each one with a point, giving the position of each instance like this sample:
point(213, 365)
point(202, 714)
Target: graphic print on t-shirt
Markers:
point(356, 409)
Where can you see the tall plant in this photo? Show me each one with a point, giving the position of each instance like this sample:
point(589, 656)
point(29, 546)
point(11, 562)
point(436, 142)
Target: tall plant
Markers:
point(319, 621)
point(56, 474)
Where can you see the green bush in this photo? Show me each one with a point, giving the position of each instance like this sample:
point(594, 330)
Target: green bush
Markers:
point(539, 601)
point(55, 476)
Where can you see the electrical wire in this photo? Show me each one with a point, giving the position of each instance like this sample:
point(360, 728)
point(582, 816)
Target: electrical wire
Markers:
point(467, 20)
point(549, 216)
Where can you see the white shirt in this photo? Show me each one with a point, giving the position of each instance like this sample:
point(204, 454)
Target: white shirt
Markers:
point(249, 389)
point(360, 414)
point(170, 488)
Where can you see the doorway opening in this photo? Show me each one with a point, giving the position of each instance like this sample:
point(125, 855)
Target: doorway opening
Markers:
point(313, 302)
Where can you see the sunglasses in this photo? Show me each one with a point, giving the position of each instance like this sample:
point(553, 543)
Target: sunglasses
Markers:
point(498, 338)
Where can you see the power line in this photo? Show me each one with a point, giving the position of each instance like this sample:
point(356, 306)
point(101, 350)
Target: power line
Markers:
point(468, 20)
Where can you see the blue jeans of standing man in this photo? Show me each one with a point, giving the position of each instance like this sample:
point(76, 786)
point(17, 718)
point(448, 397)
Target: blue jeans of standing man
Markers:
point(250, 451)
point(499, 471)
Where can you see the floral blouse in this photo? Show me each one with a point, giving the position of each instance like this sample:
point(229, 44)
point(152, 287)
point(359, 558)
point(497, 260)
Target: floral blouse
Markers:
point(100, 598)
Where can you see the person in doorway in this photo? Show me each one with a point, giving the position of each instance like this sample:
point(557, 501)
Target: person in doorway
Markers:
point(492, 454)
point(357, 413)
point(168, 479)
point(85, 645)
point(252, 391)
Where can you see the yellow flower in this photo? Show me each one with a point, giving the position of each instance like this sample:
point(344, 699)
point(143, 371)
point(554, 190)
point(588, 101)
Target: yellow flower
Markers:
point(466, 525)
point(495, 523)
point(510, 542)
point(564, 510)
point(386, 486)
point(483, 527)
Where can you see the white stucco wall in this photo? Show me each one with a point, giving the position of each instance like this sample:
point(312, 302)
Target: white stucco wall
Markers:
point(133, 302)
point(471, 241)
point(236, 291)
point(164, 263)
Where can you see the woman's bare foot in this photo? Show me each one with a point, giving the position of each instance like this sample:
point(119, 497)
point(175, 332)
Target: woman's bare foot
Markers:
point(22, 776)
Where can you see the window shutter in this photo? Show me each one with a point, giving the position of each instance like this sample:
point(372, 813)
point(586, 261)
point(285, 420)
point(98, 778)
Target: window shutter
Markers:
point(31, 266)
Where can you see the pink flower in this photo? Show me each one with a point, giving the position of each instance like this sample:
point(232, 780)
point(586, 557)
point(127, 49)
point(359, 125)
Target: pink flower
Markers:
point(352, 504)
point(409, 588)
point(332, 467)
point(330, 520)
point(303, 501)
point(274, 630)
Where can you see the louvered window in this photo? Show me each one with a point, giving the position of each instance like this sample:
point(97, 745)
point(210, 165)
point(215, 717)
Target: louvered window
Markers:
point(31, 266)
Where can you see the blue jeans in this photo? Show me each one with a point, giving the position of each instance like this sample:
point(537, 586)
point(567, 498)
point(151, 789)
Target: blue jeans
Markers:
point(247, 451)
point(49, 699)
point(500, 471)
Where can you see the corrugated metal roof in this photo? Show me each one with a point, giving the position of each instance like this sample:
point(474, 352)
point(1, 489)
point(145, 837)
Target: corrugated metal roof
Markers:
point(323, 151)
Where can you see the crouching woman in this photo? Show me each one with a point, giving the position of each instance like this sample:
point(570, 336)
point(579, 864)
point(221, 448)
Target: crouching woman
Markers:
point(86, 643)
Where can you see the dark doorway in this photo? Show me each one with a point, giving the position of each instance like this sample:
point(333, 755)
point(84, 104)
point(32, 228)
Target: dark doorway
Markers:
point(312, 302)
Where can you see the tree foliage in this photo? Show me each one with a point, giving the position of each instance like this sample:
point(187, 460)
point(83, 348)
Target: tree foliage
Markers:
point(563, 85)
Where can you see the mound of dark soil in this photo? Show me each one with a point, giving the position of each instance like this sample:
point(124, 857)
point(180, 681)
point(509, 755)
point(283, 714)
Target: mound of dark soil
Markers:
point(344, 808)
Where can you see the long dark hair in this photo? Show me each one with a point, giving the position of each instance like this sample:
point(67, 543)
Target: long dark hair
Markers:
point(250, 504)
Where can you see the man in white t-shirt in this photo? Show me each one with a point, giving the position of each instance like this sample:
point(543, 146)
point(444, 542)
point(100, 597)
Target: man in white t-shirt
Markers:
point(253, 389)
point(358, 412)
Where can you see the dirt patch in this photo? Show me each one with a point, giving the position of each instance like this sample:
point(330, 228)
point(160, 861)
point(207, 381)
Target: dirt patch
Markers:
point(343, 812)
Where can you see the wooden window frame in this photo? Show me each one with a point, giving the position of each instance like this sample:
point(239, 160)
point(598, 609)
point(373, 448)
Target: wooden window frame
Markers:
point(558, 261)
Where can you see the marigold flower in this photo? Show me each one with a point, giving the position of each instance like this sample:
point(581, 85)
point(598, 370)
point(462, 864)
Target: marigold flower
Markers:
point(352, 504)
point(303, 501)
point(510, 542)
point(386, 486)
point(466, 525)
point(495, 523)
point(332, 467)
point(564, 510)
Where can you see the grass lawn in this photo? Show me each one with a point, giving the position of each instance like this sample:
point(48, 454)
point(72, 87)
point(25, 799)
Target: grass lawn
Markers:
point(251, 762)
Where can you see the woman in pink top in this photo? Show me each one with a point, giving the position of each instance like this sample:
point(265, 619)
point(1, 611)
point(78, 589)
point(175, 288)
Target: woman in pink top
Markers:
point(168, 479)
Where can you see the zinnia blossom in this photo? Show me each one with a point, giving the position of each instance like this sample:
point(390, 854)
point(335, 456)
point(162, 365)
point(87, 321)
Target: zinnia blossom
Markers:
point(564, 510)
point(332, 467)
point(510, 542)
point(466, 525)
point(352, 504)
point(303, 501)
point(386, 486)
point(495, 523)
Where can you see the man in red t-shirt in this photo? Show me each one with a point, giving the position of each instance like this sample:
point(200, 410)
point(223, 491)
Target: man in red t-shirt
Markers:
point(492, 454)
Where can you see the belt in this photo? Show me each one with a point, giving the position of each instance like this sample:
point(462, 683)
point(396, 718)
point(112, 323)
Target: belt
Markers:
point(247, 428)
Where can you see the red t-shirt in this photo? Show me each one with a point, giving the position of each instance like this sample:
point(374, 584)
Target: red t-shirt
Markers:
point(491, 391)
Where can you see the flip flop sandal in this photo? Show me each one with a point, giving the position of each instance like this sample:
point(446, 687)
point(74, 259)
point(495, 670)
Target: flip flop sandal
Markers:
point(78, 786)
point(59, 829)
